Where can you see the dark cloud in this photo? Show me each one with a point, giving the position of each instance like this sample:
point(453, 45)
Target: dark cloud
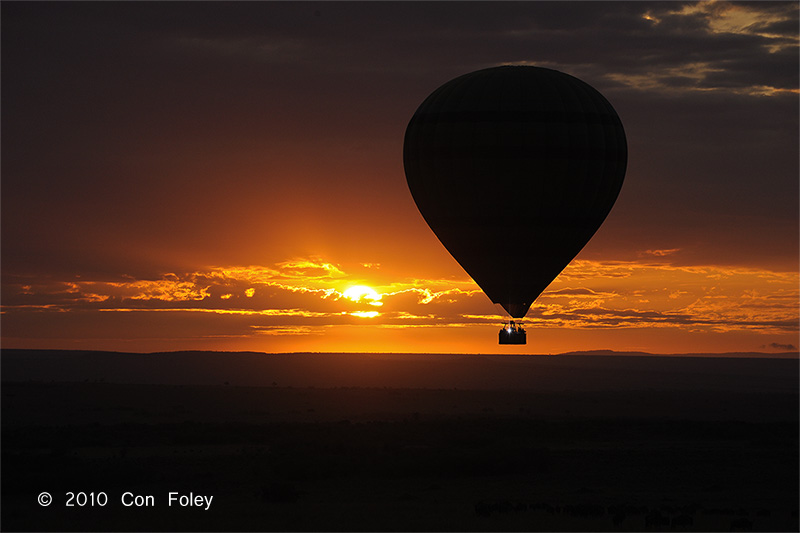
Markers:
point(779, 346)
point(162, 129)
point(573, 292)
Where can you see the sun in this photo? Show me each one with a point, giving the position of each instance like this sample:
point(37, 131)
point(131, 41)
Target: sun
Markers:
point(363, 294)
point(365, 314)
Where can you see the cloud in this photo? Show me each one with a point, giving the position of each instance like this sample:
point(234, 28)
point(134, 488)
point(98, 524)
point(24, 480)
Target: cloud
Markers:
point(588, 295)
point(575, 292)
point(660, 253)
point(309, 268)
point(713, 46)
point(778, 346)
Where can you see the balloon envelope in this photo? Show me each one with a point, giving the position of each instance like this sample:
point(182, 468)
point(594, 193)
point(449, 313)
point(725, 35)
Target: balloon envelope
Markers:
point(514, 168)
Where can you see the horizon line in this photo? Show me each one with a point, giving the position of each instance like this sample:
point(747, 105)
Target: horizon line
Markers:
point(595, 353)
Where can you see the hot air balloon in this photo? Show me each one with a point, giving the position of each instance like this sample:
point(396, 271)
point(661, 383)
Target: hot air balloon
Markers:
point(514, 168)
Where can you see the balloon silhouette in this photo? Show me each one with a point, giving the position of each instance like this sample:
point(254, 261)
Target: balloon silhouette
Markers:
point(514, 168)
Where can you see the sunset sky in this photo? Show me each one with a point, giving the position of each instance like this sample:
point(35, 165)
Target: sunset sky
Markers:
point(219, 176)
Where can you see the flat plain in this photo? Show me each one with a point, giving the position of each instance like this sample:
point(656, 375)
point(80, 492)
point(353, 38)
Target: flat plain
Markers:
point(388, 442)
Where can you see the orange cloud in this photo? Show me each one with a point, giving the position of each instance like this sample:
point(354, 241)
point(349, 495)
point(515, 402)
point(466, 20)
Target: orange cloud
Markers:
point(278, 300)
point(660, 253)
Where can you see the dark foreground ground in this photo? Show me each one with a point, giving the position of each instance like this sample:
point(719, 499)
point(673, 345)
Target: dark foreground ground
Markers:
point(661, 452)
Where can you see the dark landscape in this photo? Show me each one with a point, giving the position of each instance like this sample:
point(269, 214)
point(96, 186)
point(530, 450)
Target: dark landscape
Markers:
point(357, 442)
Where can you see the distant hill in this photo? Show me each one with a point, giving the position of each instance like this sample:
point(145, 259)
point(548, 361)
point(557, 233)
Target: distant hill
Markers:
point(591, 370)
point(776, 355)
point(604, 352)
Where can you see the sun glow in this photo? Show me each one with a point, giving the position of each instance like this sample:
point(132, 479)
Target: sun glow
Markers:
point(363, 294)
point(365, 314)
